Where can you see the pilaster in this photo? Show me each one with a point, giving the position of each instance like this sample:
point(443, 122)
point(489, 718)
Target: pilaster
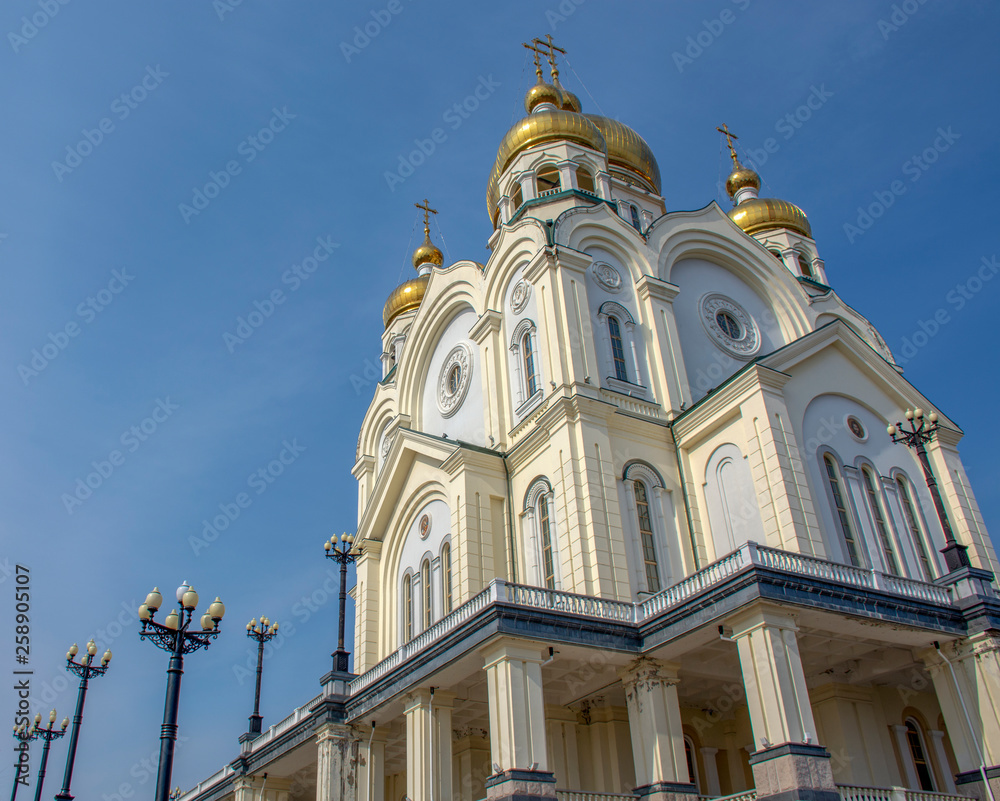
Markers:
point(428, 744)
point(371, 765)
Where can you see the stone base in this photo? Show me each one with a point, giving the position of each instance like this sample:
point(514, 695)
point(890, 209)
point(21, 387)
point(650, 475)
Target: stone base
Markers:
point(521, 785)
point(667, 791)
point(971, 783)
point(794, 772)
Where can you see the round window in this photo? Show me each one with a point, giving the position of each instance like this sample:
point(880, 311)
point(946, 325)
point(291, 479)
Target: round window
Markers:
point(729, 325)
point(856, 427)
point(454, 379)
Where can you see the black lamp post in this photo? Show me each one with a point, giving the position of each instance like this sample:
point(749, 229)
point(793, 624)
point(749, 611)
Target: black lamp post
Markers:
point(261, 632)
point(86, 670)
point(921, 430)
point(343, 555)
point(49, 734)
point(25, 735)
point(173, 636)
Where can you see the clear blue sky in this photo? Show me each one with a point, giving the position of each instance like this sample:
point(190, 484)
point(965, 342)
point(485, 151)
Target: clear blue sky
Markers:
point(152, 339)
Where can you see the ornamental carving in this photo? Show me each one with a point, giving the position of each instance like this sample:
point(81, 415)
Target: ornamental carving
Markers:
point(730, 326)
point(607, 276)
point(453, 383)
point(519, 297)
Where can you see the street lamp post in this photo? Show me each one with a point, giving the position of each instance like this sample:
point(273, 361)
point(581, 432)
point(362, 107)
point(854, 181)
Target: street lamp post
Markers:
point(343, 555)
point(173, 636)
point(921, 430)
point(48, 734)
point(261, 632)
point(25, 735)
point(86, 670)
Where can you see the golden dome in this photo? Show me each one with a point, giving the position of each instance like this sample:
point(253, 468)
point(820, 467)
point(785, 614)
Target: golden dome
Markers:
point(543, 126)
point(628, 150)
point(427, 253)
point(404, 298)
point(570, 101)
point(740, 178)
point(762, 214)
point(543, 93)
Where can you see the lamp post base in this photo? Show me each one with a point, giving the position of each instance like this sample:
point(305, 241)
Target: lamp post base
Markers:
point(955, 556)
point(341, 659)
point(64, 797)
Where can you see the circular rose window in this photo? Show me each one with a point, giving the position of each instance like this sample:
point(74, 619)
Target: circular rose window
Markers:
point(730, 325)
point(453, 383)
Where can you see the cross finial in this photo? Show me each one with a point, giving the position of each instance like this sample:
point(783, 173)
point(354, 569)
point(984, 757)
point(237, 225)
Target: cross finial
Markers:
point(730, 136)
point(537, 51)
point(427, 212)
point(549, 49)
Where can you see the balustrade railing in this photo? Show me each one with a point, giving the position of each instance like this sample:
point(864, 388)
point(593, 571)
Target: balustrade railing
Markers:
point(584, 795)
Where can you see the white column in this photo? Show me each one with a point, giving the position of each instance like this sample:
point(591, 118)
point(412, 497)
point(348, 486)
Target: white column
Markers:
point(336, 763)
point(371, 765)
point(655, 722)
point(711, 784)
point(941, 758)
point(517, 707)
point(909, 770)
point(428, 744)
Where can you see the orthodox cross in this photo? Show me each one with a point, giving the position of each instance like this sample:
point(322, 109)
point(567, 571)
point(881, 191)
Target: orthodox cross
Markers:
point(427, 212)
point(550, 54)
point(537, 51)
point(730, 136)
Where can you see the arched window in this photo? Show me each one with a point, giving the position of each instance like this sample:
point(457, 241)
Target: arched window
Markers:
point(692, 765)
point(636, 221)
point(584, 180)
point(446, 594)
point(805, 265)
point(548, 179)
point(407, 608)
point(428, 595)
point(646, 538)
point(545, 537)
point(881, 530)
point(516, 199)
point(777, 255)
point(617, 349)
point(910, 513)
point(528, 353)
point(915, 742)
point(840, 510)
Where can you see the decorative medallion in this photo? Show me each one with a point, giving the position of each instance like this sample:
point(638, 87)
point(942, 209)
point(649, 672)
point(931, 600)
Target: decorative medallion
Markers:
point(519, 297)
point(857, 428)
point(453, 383)
point(730, 325)
point(607, 276)
point(386, 444)
point(424, 526)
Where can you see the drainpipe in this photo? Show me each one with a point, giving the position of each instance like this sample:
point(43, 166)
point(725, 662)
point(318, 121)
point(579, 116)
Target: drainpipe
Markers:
point(684, 495)
point(371, 791)
point(968, 721)
point(262, 786)
point(511, 561)
point(430, 745)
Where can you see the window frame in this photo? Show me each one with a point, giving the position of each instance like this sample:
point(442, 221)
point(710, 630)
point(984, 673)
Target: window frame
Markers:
point(870, 484)
point(426, 594)
point(836, 487)
point(407, 611)
point(526, 336)
point(913, 519)
point(543, 547)
point(544, 170)
point(617, 353)
point(447, 579)
point(911, 724)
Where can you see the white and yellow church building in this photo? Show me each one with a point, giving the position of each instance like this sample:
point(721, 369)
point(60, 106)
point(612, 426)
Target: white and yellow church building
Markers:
point(631, 526)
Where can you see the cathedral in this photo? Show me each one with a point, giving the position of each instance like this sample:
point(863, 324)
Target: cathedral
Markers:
point(646, 511)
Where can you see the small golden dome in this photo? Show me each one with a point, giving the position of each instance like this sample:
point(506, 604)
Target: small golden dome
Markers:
point(628, 150)
point(427, 253)
point(543, 93)
point(740, 178)
point(404, 298)
point(543, 126)
point(570, 101)
point(762, 214)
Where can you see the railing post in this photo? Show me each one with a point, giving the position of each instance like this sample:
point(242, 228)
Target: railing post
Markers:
point(879, 582)
point(498, 590)
point(897, 794)
point(751, 550)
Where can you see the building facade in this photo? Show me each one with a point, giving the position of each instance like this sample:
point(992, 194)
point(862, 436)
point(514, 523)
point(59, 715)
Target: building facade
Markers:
point(630, 523)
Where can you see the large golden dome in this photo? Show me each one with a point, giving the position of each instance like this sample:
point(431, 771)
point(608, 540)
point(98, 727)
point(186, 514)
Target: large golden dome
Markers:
point(542, 126)
point(628, 150)
point(762, 214)
point(404, 298)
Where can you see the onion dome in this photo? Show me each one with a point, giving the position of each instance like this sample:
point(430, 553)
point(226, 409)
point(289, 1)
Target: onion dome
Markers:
point(427, 253)
point(762, 214)
point(628, 151)
point(404, 298)
point(741, 178)
point(541, 93)
point(570, 101)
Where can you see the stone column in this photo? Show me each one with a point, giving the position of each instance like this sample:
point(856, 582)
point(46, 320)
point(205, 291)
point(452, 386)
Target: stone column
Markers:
point(258, 788)
point(471, 753)
point(787, 765)
point(909, 771)
point(655, 724)
point(428, 744)
point(976, 699)
point(711, 783)
point(336, 763)
point(371, 764)
point(941, 758)
point(517, 722)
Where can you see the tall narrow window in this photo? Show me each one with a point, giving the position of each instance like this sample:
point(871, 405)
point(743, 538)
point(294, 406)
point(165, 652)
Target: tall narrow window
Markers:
point(919, 756)
point(805, 265)
point(516, 199)
point(545, 536)
point(691, 765)
point(530, 379)
point(880, 527)
point(617, 349)
point(548, 180)
point(646, 537)
point(910, 513)
point(428, 595)
point(584, 180)
point(636, 222)
point(446, 577)
point(407, 608)
point(840, 507)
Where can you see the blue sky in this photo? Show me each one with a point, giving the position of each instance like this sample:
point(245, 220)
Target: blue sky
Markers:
point(107, 222)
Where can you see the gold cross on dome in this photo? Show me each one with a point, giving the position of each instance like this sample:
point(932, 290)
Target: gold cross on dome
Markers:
point(537, 51)
point(730, 136)
point(550, 54)
point(427, 212)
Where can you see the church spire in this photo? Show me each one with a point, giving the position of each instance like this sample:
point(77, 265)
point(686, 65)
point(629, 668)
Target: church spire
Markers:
point(427, 256)
point(742, 183)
